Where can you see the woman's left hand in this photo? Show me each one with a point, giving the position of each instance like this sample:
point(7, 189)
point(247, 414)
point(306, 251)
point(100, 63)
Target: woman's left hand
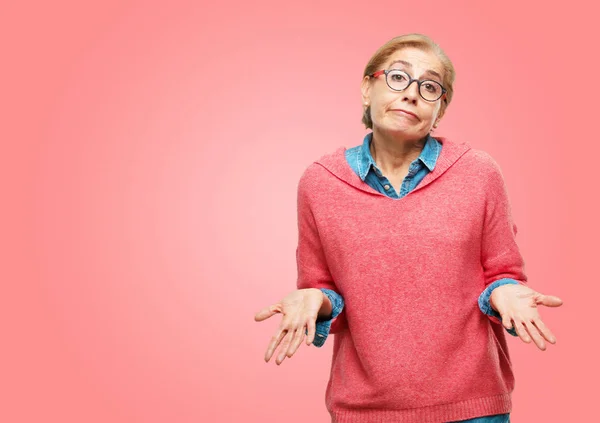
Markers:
point(518, 304)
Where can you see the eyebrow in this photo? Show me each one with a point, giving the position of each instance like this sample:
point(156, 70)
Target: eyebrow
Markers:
point(408, 64)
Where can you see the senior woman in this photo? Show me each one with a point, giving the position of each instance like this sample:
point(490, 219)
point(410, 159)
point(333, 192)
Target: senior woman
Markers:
point(407, 253)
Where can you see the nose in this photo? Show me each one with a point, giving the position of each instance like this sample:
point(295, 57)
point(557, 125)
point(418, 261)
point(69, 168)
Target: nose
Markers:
point(412, 91)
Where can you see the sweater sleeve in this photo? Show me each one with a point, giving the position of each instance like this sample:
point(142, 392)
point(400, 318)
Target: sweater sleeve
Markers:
point(323, 327)
point(313, 271)
point(500, 256)
point(486, 307)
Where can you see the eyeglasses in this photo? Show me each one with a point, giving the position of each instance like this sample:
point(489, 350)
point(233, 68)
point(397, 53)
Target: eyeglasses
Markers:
point(399, 80)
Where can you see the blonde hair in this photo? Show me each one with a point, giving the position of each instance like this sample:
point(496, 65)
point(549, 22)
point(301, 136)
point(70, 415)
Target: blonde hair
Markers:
point(422, 42)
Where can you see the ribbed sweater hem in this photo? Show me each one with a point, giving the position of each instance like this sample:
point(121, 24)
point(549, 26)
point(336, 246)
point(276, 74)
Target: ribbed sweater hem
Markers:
point(462, 410)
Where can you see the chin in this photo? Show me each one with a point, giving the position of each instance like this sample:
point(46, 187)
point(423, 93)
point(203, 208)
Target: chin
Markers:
point(400, 129)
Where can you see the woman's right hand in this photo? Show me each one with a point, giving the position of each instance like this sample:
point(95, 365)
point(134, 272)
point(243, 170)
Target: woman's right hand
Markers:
point(300, 310)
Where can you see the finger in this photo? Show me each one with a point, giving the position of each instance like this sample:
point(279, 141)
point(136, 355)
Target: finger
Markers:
point(535, 334)
point(544, 330)
point(550, 301)
point(284, 346)
point(521, 331)
point(506, 322)
point(312, 329)
point(275, 340)
point(267, 312)
point(296, 341)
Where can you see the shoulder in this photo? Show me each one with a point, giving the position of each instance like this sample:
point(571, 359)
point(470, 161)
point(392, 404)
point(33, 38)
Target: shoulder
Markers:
point(482, 162)
point(488, 174)
point(317, 170)
point(310, 178)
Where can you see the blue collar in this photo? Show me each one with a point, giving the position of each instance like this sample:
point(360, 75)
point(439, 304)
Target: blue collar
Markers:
point(428, 156)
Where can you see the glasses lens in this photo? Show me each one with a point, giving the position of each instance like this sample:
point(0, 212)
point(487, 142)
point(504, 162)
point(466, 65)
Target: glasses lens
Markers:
point(397, 80)
point(431, 90)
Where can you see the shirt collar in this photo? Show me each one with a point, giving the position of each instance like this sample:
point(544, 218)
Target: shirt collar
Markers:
point(365, 161)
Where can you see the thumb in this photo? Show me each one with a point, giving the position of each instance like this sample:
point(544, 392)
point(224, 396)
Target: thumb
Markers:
point(267, 312)
point(506, 322)
point(549, 301)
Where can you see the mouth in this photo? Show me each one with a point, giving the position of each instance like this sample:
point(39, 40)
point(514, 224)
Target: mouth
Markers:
point(405, 113)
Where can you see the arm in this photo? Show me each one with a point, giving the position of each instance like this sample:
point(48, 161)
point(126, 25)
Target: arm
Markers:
point(500, 256)
point(313, 271)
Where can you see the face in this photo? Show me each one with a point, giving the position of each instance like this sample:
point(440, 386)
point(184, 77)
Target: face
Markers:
point(386, 104)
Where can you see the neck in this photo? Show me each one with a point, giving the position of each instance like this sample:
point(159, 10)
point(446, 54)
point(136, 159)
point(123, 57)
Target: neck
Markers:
point(393, 153)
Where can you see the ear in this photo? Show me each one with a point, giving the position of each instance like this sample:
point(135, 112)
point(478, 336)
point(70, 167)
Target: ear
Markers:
point(365, 88)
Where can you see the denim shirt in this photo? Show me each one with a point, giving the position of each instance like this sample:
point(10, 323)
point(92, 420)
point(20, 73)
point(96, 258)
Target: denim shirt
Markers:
point(360, 160)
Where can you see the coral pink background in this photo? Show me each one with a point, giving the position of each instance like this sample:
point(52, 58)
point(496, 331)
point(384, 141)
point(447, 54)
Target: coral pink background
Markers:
point(151, 153)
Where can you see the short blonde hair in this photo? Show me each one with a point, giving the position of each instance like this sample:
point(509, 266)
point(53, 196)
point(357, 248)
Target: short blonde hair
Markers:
point(422, 42)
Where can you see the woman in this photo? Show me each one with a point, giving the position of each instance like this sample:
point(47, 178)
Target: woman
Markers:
point(407, 252)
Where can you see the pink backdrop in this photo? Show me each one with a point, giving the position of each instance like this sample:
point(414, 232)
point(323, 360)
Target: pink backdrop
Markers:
point(151, 156)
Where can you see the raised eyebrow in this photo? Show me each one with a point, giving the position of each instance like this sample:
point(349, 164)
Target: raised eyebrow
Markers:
point(433, 73)
point(408, 64)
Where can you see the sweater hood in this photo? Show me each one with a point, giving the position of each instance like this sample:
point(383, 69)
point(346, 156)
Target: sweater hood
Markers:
point(337, 164)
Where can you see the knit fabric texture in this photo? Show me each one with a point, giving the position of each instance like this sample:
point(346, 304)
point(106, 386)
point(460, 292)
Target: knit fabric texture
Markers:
point(395, 261)
point(361, 161)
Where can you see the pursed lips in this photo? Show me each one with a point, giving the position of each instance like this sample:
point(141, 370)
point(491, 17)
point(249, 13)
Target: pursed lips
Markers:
point(405, 112)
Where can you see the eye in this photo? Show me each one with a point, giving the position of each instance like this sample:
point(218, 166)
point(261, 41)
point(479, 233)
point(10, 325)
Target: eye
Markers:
point(398, 77)
point(430, 87)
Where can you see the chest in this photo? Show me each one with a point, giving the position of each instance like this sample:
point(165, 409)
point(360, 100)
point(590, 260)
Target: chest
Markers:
point(401, 180)
point(427, 227)
point(397, 179)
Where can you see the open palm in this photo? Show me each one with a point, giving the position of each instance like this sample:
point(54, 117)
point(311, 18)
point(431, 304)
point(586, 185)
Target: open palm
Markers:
point(519, 304)
point(300, 310)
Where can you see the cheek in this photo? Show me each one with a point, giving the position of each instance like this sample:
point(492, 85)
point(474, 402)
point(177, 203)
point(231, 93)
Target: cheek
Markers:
point(428, 115)
point(382, 104)
point(384, 99)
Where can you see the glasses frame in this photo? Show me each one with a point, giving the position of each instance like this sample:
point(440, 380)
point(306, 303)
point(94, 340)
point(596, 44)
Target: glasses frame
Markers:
point(410, 81)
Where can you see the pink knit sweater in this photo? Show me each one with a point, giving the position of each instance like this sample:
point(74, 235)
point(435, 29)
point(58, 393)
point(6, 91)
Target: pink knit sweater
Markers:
point(411, 344)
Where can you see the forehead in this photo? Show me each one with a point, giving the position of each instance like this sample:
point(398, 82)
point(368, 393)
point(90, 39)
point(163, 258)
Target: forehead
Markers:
point(415, 60)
